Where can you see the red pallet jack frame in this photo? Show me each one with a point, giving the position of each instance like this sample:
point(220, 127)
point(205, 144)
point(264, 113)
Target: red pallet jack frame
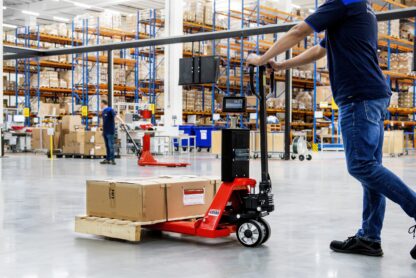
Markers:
point(209, 226)
point(146, 158)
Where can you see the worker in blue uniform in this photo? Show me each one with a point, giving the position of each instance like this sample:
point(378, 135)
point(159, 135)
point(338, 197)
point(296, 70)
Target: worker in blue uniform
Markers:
point(109, 130)
point(362, 94)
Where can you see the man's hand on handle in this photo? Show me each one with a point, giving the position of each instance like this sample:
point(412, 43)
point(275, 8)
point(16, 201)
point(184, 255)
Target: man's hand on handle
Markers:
point(254, 60)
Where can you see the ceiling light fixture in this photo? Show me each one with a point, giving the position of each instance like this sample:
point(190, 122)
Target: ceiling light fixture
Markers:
point(9, 25)
point(4, 8)
point(63, 19)
point(81, 5)
point(30, 13)
point(110, 11)
point(296, 6)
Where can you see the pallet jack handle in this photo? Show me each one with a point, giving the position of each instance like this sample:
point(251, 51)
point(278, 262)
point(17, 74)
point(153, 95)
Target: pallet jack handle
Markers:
point(265, 184)
point(125, 127)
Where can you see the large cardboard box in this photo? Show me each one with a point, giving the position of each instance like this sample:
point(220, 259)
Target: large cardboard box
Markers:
point(49, 109)
point(216, 137)
point(275, 142)
point(393, 142)
point(323, 94)
point(71, 122)
point(98, 149)
point(151, 200)
point(95, 137)
point(251, 101)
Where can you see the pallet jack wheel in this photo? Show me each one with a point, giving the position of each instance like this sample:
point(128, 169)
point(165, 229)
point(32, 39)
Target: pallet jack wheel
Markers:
point(308, 157)
point(251, 233)
point(267, 227)
point(301, 157)
point(255, 156)
point(293, 157)
point(199, 149)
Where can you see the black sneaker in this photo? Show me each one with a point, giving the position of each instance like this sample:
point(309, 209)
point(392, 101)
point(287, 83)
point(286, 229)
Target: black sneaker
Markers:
point(105, 161)
point(112, 162)
point(412, 230)
point(355, 245)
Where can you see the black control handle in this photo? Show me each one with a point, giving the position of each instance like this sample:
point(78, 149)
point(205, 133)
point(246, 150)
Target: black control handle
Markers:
point(262, 69)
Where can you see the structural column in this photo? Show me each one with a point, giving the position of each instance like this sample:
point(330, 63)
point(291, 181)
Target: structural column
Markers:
point(110, 77)
point(173, 52)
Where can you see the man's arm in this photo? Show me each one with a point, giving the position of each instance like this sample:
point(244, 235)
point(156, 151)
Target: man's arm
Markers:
point(290, 39)
point(328, 14)
point(312, 54)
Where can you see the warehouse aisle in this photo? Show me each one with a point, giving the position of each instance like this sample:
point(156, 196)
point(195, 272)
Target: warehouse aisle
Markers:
point(316, 202)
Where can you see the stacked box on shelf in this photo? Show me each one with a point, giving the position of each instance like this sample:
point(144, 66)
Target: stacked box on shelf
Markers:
point(394, 28)
point(394, 99)
point(323, 95)
point(401, 62)
point(406, 99)
point(407, 30)
point(303, 100)
point(194, 11)
point(48, 109)
point(160, 101)
point(47, 79)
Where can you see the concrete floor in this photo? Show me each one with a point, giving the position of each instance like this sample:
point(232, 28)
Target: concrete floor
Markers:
point(316, 202)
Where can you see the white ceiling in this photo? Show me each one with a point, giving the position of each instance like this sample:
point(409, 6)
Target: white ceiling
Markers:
point(67, 9)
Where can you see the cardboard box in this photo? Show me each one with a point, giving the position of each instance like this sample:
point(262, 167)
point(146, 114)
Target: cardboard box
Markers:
point(393, 142)
point(98, 149)
point(94, 137)
point(151, 200)
point(275, 142)
point(216, 137)
point(323, 94)
point(251, 101)
point(71, 122)
point(49, 109)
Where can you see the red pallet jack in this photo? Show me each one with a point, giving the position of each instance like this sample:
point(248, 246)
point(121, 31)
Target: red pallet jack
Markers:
point(145, 157)
point(236, 208)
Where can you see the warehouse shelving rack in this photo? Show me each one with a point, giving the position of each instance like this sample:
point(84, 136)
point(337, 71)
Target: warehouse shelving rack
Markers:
point(29, 53)
point(248, 16)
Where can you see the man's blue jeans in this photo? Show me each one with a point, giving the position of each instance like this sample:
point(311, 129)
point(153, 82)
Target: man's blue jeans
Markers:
point(109, 146)
point(362, 125)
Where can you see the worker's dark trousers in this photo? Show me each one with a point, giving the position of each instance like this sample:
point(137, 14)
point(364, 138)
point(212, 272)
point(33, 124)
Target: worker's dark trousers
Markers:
point(362, 126)
point(109, 146)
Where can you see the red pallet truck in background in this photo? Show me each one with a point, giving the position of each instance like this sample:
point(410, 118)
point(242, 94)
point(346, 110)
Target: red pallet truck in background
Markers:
point(236, 207)
point(145, 157)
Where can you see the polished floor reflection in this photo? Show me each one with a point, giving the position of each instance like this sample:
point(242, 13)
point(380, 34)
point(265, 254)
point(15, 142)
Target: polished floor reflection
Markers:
point(316, 202)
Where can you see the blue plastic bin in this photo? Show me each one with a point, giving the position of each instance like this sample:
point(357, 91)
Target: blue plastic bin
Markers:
point(203, 137)
point(187, 129)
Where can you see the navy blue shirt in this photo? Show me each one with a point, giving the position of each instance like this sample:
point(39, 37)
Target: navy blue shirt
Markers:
point(351, 44)
point(108, 120)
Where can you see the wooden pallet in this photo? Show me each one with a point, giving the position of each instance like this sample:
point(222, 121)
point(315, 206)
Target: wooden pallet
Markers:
point(82, 156)
point(114, 228)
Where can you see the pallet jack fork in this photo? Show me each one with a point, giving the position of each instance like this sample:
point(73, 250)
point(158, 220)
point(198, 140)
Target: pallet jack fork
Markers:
point(236, 207)
point(145, 157)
